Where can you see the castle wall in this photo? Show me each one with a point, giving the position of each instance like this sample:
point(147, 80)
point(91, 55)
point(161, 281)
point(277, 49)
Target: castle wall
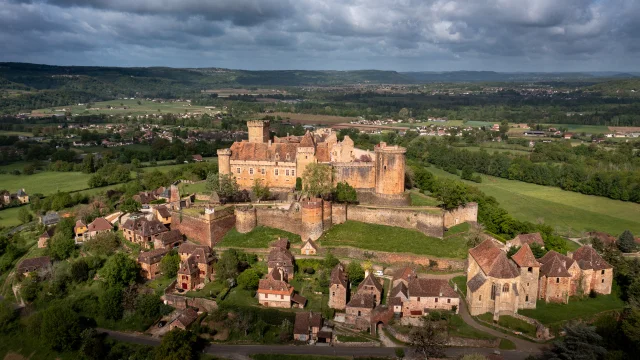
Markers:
point(312, 219)
point(286, 220)
point(370, 197)
point(467, 213)
point(205, 230)
point(279, 174)
point(246, 219)
point(359, 175)
point(389, 170)
point(427, 223)
point(327, 218)
point(338, 213)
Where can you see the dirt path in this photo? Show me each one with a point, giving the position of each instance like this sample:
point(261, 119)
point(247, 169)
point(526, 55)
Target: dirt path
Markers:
point(384, 339)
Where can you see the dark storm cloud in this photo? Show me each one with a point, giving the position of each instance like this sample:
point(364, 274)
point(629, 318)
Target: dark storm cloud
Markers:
point(331, 34)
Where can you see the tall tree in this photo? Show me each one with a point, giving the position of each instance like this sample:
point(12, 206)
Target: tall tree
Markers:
point(260, 190)
point(60, 328)
point(626, 242)
point(317, 180)
point(355, 273)
point(120, 270)
point(170, 264)
point(225, 185)
point(177, 344)
point(581, 342)
point(429, 340)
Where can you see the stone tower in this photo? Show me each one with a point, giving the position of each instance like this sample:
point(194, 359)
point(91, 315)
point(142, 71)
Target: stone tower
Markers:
point(311, 219)
point(258, 131)
point(389, 170)
point(246, 218)
point(224, 161)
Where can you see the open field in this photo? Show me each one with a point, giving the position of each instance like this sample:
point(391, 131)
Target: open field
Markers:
point(428, 123)
point(260, 237)
point(146, 107)
point(9, 217)
point(393, 239)
point(589, 129)
point(418, 199)
point(15, 133)
point(570, 213)
point(298, 118)
point(492, 150)
point(45, 183)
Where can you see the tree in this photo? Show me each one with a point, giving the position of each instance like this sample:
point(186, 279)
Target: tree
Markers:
point(429, 340)
point(317, 180)
point(355, 273)
point(148, 305)
point(298, 184)
point(227, 266)
point(7, 316)
point(626, 242)
point(260, 190)
point(475, 235)
point(80, 271)
point(537, 250)
point(60, 328)
point(452, 194)
point(512, 251)
point(92, 346)
point(61, 247)
point(88, 164)
point(170, 264)
point(111, 303)
point(130, 205)
point(155, 179)
point(177, 344)
point(345, 193)
point(249, 279)
point(102, 244)
point(225, 185)
point(581, 342)
point(330, 261)
point(24, 215)
point(120, 270)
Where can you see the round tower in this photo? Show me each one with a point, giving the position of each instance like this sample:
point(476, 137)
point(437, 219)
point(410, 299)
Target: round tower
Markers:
point(246, 219)
point(258, 131)
point(311, 219)
point(390, 166)
point(224, 161)
point(326, 215)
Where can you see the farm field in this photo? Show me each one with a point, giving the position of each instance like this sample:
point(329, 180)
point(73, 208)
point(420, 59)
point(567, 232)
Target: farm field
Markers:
point(394, 239)
point(492, 150)
point(15, 133)
point(46, 183)
point(146, 107)
point(589, 129)
point(309, 118)
point(9, 217)
point(570, 213)
point(428, 123)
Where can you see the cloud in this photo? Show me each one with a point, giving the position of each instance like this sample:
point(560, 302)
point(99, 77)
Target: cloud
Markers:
point(328, 34)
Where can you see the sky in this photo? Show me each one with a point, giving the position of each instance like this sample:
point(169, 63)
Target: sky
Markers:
point(401, 35)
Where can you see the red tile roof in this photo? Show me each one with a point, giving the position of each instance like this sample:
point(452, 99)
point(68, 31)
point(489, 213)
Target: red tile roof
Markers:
point(588, 258)
point(524, 257)
point(431, 288)
point(338, 276)
point(263, 152)
point(528, 239)
point(555, 265)
point(493, 261)
point(99, 224)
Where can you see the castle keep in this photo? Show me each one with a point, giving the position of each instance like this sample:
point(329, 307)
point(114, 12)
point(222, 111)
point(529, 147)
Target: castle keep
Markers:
point(377, 176)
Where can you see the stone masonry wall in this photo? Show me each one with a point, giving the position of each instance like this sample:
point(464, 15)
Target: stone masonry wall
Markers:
point(394, 258)
point(195, 228)
point(467, 213)
point(280, 219)
point(220, 226)
point(427, 223)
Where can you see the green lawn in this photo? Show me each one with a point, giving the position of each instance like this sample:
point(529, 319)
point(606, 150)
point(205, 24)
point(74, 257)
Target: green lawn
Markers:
point(461, 281)
point(459, 328)
point(46, 183)
point(352, 338)
point(512, 323)
point(393, 239)
point(506, 344)
point(570, 213)
point(146, 107)
point(550, 313)
point(9, 217)
point(418, 199)
point(198, 188)
point(211, 289)
point(260, 237)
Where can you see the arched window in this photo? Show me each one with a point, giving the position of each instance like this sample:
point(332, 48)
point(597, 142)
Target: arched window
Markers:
point(505, 288)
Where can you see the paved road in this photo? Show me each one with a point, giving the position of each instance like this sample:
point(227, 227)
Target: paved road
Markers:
point(242, 351)
point(521, 344)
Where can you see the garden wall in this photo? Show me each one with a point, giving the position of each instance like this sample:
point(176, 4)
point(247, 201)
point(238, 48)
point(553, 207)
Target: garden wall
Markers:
point(427, 223)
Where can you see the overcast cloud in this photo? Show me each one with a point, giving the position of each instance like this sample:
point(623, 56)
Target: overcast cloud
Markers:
point(404, 35)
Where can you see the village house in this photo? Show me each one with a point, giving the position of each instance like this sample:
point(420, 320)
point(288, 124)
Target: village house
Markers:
point(150, 262)
point(162, 214)
point(22, 196)
point(196, 266)
point(367, 297)
point(530, 239)
point(97, 226)
point(50, 219)
point(168, 240)
point(309, 248)
point(185, 318)
point(141, 231)
point(44, 238)
point(307, 326)
point(280, 258)
point(34, 265)
point(274, 290)
point(338, 288)
point(79, 229)
point(424, 295)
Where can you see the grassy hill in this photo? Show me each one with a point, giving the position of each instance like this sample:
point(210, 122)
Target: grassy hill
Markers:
point(624, 87)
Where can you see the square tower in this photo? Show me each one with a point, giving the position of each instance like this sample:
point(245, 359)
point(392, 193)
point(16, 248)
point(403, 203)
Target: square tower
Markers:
point(258, 131)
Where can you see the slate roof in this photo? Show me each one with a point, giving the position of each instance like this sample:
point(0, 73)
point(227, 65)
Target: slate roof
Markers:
point(50, 218)
point(431, 288)
point(528, 239)
point(187, 317)
point(338, 276)
point(145, 227)
point(371, 280)
point(153, 256)
point(280, 257)
point(524, 257)
point(33, 264)
point(588, 258)
point(299, 299)
point(305, 321)
point(493, 261)
point(555, 265)
point(476, 282)
point(99, 224)
point(163, 211)
point(360, 300)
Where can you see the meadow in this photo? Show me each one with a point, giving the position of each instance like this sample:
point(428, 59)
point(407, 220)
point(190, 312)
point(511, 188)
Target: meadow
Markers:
point(46, 183)
point(570, 213)
point(146, 107)
point(309, 118)
point(9, 217)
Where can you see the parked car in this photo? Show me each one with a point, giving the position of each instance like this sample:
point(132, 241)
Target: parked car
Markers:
point(162, 323)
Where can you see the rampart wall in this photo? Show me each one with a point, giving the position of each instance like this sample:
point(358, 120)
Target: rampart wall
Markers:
point(287, 220)
point(430, 224)
point(467, 213)
point(206, 229)
point(360, 175)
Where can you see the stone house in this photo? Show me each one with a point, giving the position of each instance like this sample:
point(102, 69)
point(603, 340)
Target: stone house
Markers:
point(529, 275)
point(28, 266)
point(274, 290)
point(196, 266)
point(309, 248)
point(168, 240)
point(79, 229)
point(150, 262)
point(22, 196)
point(338, 288)
point(186, 317)
point(358, 310)
point(162, 214)
point(404, 275)
point(44, 238)
point(597, 274)
point(281, 258)
point(429, 294)
point(97, 226)
point(141, 231)
point(371, 285)
point(528, 239)
point(307, 326)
